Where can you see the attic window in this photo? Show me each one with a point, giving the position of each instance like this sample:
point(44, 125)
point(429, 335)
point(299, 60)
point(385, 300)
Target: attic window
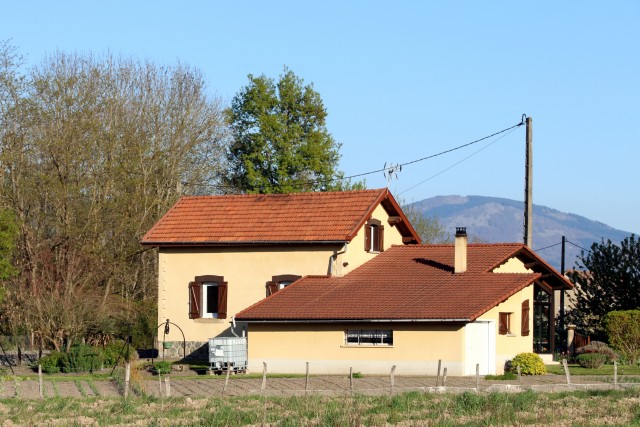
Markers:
point(280, 282)
point(374, 236)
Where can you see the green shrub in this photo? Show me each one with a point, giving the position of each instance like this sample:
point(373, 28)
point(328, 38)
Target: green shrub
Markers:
point(529, 363)
point(116, 352)
point(162, 367)
point(623, 330)
point(598, 347)
point(82, 358)
point(591, 360)
point(52, 362)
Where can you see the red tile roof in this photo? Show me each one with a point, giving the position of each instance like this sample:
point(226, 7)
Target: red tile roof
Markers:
point(405, 282)
point(271, 218)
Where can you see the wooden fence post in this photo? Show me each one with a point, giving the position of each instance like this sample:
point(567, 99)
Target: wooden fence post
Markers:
point(306, 380)
point(438, 377)
point(264, 378)
point(167, 386)
point(40, 385)
point(477, 377)
point(566, 371)
point(519, 376)
point(393, 379)
point(615, 375)
point(127, 378)
point(444, 377)
point(351, 379)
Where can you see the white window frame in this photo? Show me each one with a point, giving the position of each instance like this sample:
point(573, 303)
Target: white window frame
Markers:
point(205, 309)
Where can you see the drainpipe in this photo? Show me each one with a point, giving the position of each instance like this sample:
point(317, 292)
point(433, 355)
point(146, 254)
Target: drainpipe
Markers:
point(334, 257)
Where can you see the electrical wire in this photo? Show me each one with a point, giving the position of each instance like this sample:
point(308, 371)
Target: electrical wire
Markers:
point(547, 247)
point(578, 246)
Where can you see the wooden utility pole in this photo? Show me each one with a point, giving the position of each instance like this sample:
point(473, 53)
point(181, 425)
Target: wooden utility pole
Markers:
point(528, 187)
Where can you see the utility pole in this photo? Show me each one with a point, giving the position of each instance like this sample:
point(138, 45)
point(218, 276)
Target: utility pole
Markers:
point(528, 187)
point(562, 290)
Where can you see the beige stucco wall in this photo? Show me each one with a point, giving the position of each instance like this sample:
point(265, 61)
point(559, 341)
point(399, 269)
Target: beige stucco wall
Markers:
point(416, 349)
point(246, 270)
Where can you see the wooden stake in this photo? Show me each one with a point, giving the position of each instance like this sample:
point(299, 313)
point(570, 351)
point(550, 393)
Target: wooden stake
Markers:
point(127, 377)
point(566, 370)
point(477, 377)
point(40, 381)
point(519, 376)
point(264, 378)
point(226, 381)
point(306, 380)
point(167, 387)
point(393, 379)
point(615, 375)
point(438, 377)
point(351, 380)
point(444, 377)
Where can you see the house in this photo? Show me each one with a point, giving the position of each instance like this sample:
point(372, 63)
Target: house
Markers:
point(221, 254)
point(411, 306)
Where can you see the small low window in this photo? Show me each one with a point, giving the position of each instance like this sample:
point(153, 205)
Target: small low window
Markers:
point(374, 236)
point(280, 282)
point(368, 337)
point(505, 324)
point(208, 297)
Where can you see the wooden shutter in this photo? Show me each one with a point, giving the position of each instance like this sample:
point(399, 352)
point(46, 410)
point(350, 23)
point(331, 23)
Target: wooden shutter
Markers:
point(195, 300)
point(222, 300)
point(503, 328)
point(525, 318)
point(367, 238)
point(272, 288)
point(381, 238)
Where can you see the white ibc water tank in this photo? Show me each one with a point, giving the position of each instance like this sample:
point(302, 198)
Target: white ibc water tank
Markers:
point(228, 353)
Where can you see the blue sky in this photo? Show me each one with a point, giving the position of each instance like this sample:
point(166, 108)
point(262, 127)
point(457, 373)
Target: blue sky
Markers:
point(405, 80)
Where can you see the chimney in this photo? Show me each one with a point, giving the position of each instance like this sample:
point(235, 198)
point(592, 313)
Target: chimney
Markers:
point(460, 251)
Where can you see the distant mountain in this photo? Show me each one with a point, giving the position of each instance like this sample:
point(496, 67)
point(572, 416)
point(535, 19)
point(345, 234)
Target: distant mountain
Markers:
point(493, 219)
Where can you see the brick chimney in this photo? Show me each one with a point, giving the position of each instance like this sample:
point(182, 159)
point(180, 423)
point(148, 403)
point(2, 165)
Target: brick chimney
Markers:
point(460, 250)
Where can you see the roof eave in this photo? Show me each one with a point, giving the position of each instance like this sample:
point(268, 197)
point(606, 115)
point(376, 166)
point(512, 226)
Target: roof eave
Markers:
point(247, 243)
point(443, 320)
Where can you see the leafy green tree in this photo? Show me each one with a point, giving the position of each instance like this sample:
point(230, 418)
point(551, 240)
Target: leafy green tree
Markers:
point(623, 331)
point(430, 229)
point(280, 143)
point(607, 278)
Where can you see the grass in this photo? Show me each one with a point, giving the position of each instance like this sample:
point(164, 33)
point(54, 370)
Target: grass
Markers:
point(414, 408)
point(575, 369)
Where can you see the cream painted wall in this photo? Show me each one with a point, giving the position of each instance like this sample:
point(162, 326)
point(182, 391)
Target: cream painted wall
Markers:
point(247, 269)
point(416, 349)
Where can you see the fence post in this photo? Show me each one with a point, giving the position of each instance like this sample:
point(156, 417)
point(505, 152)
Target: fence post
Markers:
point(306, 380)
point(444, 377)
point(226, 381)
point(477, 377)
point(127, 377)
point(167, 386)
point(519, 376)
point(615, 375)
point(438, 377)
point(571, 332)
point(40, 385)
point(393, 379)
point(264, 378)
point(351, 380)
point(566, 371)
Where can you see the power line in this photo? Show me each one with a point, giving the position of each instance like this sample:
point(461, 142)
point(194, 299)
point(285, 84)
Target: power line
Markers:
point(578, 246)
point(457, 163)
point(547, 247)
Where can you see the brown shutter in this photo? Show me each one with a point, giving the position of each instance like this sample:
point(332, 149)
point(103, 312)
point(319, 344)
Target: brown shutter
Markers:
point(222, 300)
point(381, 237)
point(367, 237)
point(525, 318)
point(272, 288)
point(195, 297)
point(503, 327)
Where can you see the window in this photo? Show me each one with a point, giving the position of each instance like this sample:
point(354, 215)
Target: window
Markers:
point(280, 282)
point(524, 330)
point(374, 236)
point(208, 297)
point(505, 324)
point(368, 337)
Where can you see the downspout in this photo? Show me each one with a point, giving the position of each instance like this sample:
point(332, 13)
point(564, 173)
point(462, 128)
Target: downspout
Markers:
point(334, 257)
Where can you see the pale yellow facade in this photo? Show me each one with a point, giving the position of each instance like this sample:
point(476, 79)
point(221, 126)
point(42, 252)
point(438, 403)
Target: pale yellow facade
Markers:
point(417, 346)
point(247, 269)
